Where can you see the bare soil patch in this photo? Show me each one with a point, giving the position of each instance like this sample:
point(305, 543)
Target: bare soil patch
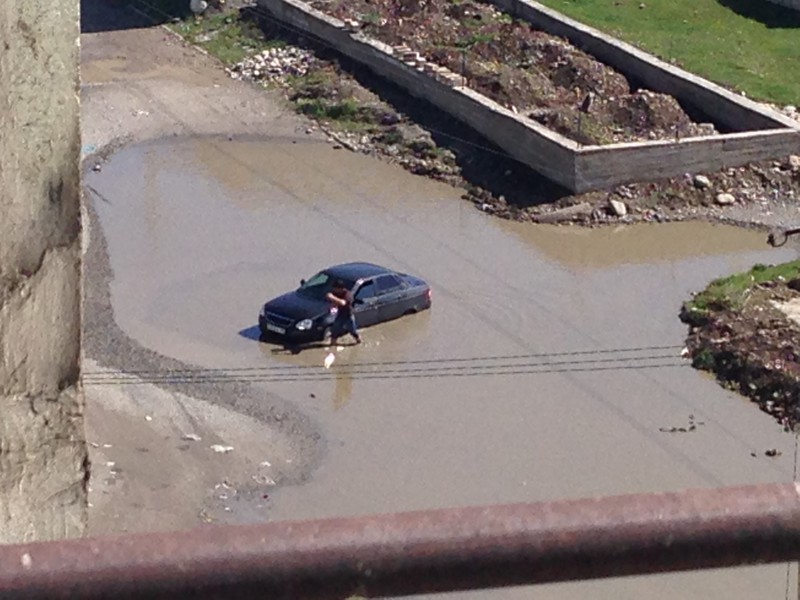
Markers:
point(532, 72)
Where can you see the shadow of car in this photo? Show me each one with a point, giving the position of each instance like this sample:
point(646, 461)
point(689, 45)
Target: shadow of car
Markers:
point(379, 294)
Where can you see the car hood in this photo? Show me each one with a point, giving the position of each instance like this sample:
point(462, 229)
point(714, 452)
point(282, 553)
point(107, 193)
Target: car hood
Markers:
point(296, 306)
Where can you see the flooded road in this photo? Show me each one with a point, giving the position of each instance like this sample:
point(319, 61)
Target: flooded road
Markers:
point(546, 369)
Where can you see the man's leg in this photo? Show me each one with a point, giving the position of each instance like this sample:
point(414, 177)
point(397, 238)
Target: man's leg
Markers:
point(354, 330)
point(335, 329)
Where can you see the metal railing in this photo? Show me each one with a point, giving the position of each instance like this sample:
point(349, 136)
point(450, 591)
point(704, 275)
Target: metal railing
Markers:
point(418, 552)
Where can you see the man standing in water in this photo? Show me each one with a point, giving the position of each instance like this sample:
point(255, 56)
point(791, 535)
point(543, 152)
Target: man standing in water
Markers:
point(345, 321)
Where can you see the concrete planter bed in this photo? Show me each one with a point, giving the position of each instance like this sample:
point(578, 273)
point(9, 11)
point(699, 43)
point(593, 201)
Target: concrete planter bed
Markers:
point(562, 156)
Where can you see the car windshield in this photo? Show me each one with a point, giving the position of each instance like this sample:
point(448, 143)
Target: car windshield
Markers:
point(320, 284)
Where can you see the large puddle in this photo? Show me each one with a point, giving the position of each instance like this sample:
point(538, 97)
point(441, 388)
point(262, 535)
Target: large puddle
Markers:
point(546, 368)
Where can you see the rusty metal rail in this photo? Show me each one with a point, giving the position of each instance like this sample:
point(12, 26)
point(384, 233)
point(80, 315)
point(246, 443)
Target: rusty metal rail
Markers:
point(407, 553)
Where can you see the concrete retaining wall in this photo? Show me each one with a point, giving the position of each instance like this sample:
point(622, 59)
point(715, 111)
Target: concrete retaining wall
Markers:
point(578, 168)
point(600, 167)
point(724, 107)
point(43, 458)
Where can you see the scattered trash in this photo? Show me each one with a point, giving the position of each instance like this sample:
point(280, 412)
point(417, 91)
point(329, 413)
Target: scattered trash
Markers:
point(690, 427)
point(772, 452)
point(94, 444)
point(110, 463)
point(148, 418)
point(329, 360)
point(192, 437)
point(266, 463)
point(263, 480)
point(107, 446)
point(220, 449)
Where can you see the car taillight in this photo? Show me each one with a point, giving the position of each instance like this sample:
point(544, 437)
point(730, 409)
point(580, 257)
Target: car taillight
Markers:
point(429, 293)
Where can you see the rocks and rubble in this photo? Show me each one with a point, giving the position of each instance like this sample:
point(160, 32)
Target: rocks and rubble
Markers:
point(274, 65)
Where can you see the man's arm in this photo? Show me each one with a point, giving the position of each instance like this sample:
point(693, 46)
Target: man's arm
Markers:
point(335, 299)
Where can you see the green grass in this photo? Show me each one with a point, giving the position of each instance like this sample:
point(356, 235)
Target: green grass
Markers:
point(225, 36)
point(346, 113)
point(346, 110)
point(729, 293)
point(751, 46)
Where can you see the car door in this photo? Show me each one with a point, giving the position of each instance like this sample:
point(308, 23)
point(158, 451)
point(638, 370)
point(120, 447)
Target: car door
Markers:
point(365, 303)
point(391, 297)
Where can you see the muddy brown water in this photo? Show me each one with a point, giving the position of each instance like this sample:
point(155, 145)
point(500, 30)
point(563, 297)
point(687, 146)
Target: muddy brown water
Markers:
point(545, 369)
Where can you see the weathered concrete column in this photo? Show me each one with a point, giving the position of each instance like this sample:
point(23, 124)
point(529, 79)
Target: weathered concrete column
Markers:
point(43, 459)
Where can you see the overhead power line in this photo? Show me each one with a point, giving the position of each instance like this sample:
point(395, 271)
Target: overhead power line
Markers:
point(592, 360)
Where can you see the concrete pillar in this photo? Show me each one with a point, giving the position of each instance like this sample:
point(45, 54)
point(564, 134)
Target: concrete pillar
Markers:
point(43, 459)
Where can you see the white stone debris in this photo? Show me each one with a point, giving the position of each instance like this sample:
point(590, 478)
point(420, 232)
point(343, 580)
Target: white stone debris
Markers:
point(274, 65)
point(618, 208)
point(725, 199)
point(220, 449)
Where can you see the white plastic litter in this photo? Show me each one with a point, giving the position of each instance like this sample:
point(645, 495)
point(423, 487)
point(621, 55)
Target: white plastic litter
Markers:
point(329, 360)
point(221, 449)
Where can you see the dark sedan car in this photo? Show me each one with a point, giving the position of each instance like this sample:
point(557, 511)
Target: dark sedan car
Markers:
point(379, 294)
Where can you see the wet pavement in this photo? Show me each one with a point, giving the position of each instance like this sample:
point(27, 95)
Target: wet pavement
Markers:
point(547, 368)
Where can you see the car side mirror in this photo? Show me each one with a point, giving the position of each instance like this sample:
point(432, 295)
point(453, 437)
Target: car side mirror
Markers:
point(302, 282)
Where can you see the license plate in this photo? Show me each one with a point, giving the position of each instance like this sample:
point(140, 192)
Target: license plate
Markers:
point(276, 329)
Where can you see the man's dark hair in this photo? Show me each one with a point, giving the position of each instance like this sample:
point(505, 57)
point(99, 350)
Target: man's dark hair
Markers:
point(338, 283)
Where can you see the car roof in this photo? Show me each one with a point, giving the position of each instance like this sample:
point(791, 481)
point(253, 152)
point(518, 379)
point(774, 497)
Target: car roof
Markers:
point(356, 270)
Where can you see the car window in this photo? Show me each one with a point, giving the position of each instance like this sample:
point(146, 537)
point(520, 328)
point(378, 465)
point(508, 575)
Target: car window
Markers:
point(366, 291)
point(317, 286)
point(387, 283)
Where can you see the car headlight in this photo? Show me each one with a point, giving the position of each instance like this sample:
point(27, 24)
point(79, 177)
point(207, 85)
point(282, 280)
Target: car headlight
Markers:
point(304, 324)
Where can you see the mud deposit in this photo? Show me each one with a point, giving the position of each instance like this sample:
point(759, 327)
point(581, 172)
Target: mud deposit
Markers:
point(549, 366)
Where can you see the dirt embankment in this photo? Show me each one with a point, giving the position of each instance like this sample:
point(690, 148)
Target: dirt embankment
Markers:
point(753, 348)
